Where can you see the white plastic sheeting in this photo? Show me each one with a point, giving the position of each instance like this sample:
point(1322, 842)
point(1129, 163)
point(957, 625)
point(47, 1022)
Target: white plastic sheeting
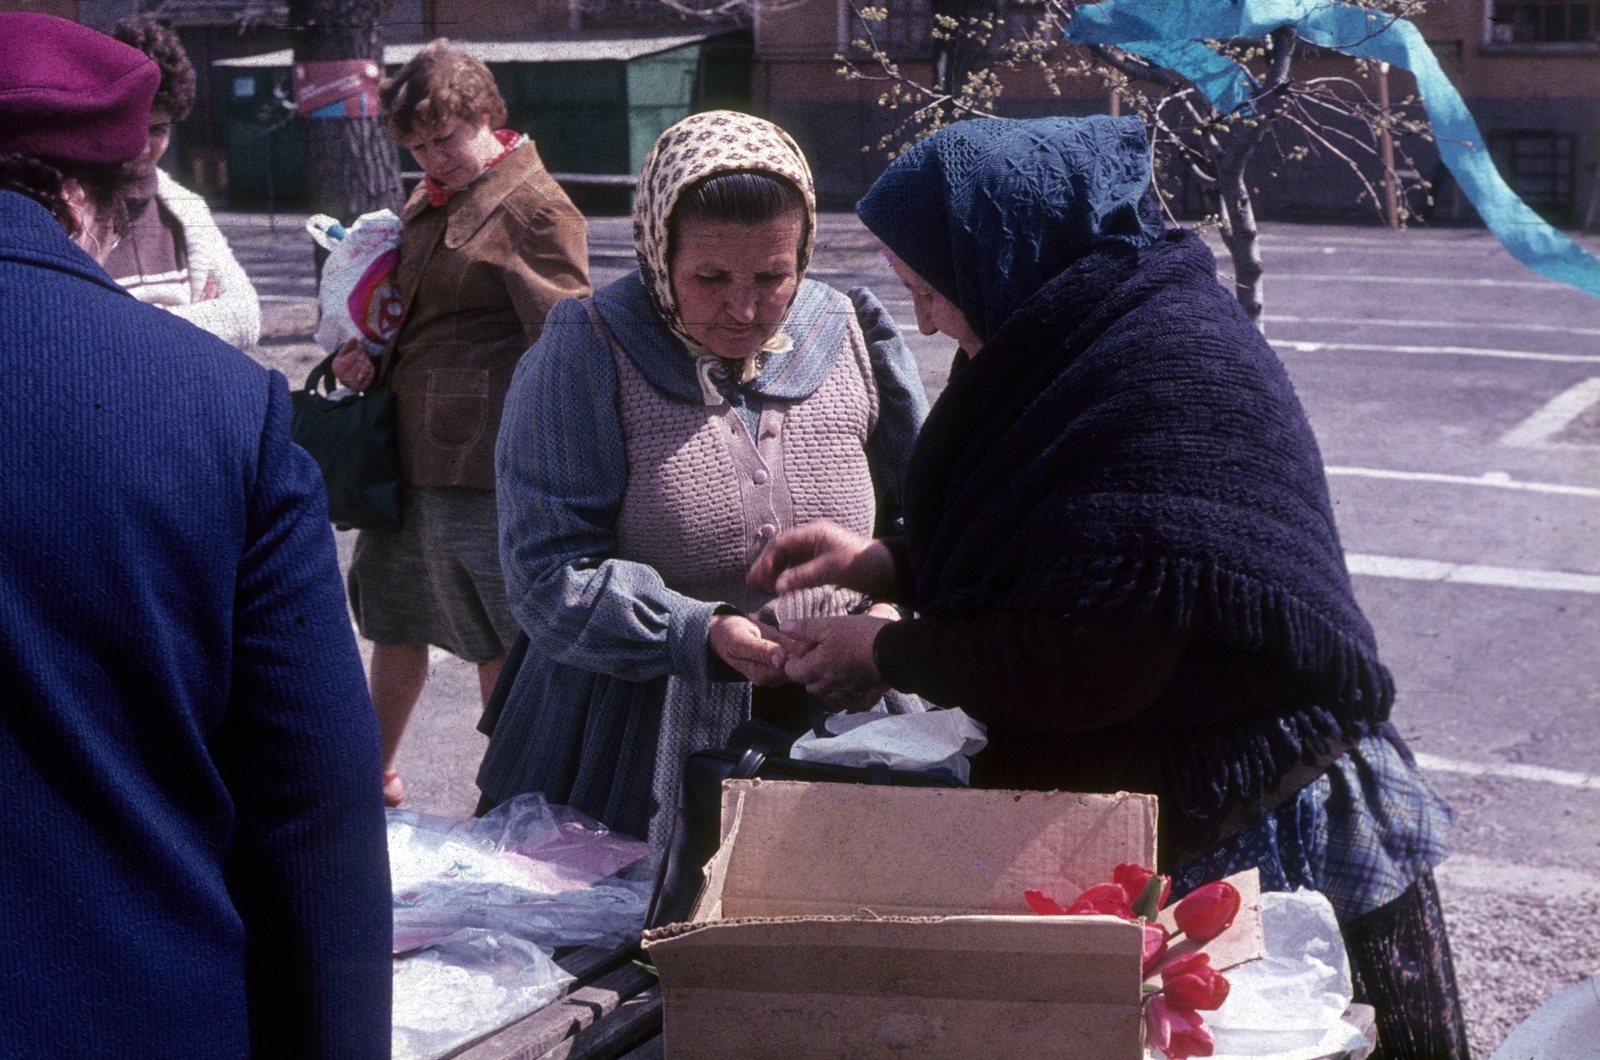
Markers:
point(933, 741)
point(1290, 1004)
point(1567, 1027)
point(480, 904)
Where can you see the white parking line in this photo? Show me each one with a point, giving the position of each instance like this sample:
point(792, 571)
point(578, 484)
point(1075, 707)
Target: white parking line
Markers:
point(1465, 872)
point(1494, 479)
point(1510, 770)
point(1536, 431)
point(1432, 570)
point(1427, 281)
point(1485, 255)
point(1452, 351)
point(1384, 322)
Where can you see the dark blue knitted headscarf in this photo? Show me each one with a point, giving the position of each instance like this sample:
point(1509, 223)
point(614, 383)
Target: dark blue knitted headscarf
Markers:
point(989, 210)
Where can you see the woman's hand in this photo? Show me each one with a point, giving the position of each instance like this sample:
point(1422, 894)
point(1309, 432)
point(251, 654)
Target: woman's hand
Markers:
point(834, 661)
point(823, 553)
point(352, 366)
point(749, 647)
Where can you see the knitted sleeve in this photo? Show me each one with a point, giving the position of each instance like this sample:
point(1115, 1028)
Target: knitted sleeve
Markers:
point(561, 473)
point(234, 315)
point(1033, 671)
point(902, 405)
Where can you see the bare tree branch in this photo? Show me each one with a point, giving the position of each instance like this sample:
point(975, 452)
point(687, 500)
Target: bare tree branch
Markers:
point(1332, 115)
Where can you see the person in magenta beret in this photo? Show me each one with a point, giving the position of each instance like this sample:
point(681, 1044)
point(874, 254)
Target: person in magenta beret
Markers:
point(190, 798)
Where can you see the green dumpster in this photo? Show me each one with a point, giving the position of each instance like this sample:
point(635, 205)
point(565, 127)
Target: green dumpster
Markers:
point(594, 106)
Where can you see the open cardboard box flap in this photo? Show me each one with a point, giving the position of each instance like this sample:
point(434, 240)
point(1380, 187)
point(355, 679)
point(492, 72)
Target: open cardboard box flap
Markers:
point(847, 849)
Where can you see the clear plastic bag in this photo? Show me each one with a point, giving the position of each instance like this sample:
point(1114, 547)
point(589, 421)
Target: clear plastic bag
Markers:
point(465, 985)
point(545, 874)
point(359, 295)
point(1290, 1004)
point(934, 741)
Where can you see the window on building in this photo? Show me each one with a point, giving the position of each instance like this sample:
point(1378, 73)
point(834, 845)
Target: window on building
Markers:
point(1538, 166)
point(1544, 22)
point(905, 34)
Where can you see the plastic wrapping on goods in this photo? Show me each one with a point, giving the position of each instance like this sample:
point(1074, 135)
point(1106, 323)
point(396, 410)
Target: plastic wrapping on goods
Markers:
point(359, 296)
point(480, 904)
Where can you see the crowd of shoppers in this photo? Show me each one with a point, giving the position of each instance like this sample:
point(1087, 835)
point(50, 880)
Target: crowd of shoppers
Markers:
point(710, 492)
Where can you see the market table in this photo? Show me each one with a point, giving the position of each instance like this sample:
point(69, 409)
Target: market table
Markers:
point(612, 1011)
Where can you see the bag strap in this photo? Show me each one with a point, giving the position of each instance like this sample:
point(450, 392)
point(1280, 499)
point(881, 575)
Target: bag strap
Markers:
point(749, 767)
point(323, 374)
point(749, 764)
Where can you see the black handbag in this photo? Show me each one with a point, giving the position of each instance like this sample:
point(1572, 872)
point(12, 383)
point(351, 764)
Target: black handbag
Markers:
point(353, 442)
point(754, 750)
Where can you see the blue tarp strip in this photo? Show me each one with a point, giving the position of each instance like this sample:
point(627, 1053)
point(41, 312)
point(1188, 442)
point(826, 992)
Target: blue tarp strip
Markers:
point(1168, 33)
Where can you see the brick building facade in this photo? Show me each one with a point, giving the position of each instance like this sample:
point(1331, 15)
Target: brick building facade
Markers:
point(1528, 69)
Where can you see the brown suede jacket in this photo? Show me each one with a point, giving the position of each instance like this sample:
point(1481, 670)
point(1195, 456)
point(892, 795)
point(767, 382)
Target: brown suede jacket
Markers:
point(477, 276)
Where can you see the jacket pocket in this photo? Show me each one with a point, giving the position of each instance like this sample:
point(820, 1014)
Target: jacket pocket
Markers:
point(455, 406)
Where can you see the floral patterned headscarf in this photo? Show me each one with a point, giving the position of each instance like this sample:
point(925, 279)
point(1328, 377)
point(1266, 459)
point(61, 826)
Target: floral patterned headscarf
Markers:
point(717, 141)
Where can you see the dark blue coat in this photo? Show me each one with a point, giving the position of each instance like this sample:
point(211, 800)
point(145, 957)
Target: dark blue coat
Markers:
point(190, 815)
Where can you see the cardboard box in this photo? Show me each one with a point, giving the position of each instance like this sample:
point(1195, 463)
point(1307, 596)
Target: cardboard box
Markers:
point(844, 921)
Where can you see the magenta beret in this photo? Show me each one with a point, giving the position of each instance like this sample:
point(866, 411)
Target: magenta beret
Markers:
point(69, 94)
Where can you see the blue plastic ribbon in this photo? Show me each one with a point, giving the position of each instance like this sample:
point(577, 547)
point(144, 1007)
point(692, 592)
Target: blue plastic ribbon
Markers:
point(1168, 33)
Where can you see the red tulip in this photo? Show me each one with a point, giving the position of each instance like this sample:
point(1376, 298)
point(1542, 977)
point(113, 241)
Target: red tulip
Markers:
point(1042, 903)
point(1176, 1031)
point(1106, 898)
point(1155, 946)
point(1207, 911)
point(1190, 982)
point(1134, 878)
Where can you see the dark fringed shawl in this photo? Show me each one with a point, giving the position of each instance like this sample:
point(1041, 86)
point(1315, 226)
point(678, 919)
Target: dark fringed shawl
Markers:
point(1128, 443)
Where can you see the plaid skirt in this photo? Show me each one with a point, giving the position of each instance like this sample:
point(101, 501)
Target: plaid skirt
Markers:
point(1367, 834)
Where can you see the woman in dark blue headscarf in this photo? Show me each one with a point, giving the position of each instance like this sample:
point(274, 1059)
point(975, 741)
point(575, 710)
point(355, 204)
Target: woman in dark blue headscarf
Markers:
point(1121, 552)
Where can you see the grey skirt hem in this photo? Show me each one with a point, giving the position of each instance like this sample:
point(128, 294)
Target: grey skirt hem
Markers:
point(437, 581)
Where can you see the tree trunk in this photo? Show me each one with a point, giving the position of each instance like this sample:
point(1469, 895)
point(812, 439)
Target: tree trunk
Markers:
point(1240, 237)
point(352, 167)
point(1238, 211)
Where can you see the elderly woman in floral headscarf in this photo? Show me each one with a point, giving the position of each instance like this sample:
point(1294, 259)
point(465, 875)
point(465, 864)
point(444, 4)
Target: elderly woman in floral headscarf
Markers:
point(654, 440)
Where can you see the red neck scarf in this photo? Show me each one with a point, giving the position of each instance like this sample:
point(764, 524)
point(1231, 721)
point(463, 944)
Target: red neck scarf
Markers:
point(509, 139)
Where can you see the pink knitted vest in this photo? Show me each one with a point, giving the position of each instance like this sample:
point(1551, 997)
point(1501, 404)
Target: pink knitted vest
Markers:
point(704, 498)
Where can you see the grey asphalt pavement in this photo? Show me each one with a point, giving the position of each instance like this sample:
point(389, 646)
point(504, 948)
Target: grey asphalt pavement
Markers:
point(1456, 397)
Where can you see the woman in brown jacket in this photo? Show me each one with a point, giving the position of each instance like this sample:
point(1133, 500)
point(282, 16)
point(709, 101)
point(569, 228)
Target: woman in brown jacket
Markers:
point(490, 244)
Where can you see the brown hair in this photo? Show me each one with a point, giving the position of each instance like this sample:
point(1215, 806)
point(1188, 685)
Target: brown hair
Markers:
point(45, 183)
point(176, 94)
point(442, 82)
point(743, 196)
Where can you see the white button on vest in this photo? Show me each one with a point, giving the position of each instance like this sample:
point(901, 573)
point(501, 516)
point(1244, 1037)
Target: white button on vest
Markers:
point(760, 477)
